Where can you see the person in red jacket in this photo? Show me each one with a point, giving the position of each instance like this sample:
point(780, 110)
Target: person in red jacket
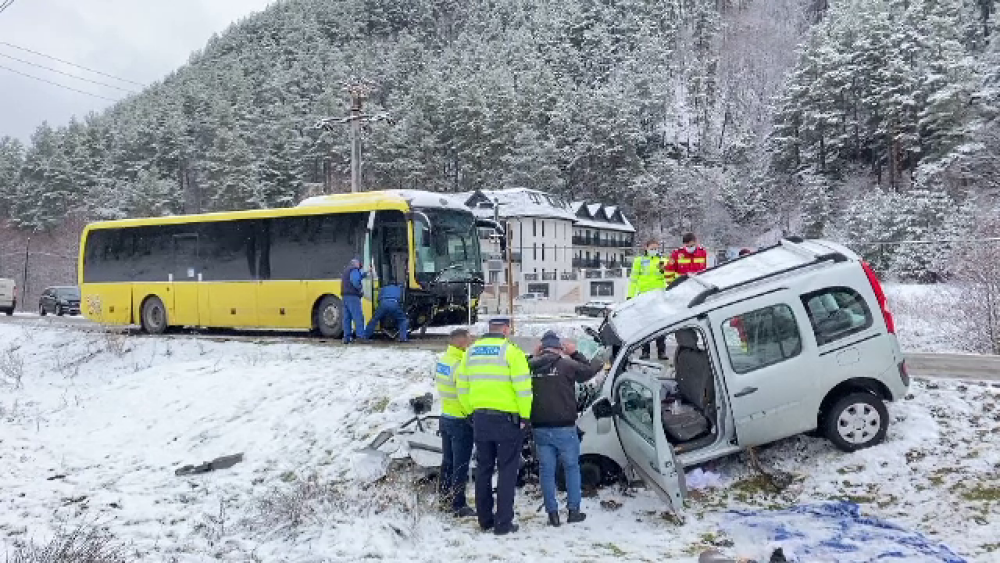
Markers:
point(688, 259)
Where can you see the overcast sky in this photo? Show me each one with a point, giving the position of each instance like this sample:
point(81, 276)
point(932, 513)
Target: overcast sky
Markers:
point(140, 40)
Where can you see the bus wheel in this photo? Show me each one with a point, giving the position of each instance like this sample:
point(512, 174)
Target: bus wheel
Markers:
point(330, 317)
point(154, 316)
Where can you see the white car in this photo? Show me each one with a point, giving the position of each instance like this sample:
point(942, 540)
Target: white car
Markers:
point(8, 296)
point(794, 338)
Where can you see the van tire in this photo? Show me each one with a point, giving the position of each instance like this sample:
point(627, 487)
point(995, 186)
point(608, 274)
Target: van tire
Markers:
point(328, 317)
point(856, 421)
point(9, 312)
point(153, 317)
point(41, 311)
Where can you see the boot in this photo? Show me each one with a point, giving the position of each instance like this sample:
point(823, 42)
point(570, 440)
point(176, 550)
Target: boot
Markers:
point(464, 512)
point(576, 516)
point(554, 519)
point(513, 529)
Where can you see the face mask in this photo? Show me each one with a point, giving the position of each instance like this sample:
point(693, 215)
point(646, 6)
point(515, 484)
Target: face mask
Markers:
point(653, 251)
point(690, 248)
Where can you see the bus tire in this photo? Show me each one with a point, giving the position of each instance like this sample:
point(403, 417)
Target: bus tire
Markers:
point(154, 316)
point(328, 317)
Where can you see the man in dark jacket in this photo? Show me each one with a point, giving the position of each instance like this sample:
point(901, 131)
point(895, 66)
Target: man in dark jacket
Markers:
point(556, 368)
point(351, 290)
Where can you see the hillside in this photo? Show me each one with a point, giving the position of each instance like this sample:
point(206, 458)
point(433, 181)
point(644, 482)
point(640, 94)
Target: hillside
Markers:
point(693, 114)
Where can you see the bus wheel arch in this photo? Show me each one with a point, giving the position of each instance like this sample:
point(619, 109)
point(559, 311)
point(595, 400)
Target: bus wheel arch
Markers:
point(328, 316)
point(153, 315)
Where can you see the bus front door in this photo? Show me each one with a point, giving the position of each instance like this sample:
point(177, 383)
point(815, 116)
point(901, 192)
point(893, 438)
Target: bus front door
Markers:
point(186, 282)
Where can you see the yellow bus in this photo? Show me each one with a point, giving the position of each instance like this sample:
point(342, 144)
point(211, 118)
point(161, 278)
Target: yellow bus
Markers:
point(281, 268)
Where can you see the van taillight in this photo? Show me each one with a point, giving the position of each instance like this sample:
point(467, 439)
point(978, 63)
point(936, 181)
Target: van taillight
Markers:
point(883, 303)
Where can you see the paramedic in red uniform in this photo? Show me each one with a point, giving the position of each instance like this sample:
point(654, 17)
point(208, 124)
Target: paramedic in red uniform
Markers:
point(688, 259)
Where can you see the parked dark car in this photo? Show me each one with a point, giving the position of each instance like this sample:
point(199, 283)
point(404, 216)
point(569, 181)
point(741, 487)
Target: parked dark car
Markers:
point(60, 301)
point(594, 308)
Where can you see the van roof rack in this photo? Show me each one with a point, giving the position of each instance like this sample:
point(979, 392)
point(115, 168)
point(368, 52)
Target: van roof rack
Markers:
point(791, 244)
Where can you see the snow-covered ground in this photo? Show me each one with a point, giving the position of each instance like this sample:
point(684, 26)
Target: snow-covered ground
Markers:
point(92, 427)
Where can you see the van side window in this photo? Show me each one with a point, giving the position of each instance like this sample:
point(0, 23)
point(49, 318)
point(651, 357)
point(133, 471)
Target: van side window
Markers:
point(762, 338)
point(637, 409)
point(836, 312)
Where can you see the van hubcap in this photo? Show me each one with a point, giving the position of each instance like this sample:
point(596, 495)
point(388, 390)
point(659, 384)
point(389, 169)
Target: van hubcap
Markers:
point(859, 423)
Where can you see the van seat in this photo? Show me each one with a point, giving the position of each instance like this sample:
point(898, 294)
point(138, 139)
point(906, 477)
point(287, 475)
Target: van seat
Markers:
point(693, 369)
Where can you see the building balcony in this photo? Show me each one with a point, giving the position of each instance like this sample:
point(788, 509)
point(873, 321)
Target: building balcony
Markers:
point(585, 263)
point(601, 242)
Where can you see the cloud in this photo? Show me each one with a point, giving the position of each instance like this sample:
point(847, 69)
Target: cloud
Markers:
point(139, 40)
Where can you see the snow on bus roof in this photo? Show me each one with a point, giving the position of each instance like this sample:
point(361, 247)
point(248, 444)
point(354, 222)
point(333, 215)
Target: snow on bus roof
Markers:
point(416, 198)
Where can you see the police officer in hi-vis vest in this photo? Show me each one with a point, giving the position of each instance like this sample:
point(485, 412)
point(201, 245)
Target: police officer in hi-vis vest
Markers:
point(494, 384)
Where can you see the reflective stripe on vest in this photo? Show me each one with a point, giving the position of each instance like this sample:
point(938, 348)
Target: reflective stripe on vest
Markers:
point(446, 372)
point(495, 376)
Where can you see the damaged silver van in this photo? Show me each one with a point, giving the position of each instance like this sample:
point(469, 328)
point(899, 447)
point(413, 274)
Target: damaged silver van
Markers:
point(795, 338)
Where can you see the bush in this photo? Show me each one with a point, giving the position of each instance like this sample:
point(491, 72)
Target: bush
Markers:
point(82, 545)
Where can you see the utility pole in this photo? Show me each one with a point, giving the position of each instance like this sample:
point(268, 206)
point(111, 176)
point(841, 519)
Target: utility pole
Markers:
point(24, 290)
point(358, 92)
point(510, 275)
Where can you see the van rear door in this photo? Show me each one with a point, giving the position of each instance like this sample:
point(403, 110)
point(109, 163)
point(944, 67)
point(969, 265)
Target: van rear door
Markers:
point(639, 423)
point(6, 292)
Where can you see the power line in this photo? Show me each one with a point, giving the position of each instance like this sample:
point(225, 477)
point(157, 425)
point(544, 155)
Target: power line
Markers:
point(6, 4)
point(104, 74)
point(50, 69)
point(26, 75)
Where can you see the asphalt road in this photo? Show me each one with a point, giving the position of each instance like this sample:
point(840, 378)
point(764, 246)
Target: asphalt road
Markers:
point(939, 366)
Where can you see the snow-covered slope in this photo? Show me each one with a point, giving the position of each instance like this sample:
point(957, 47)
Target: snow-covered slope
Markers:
point(99, 424)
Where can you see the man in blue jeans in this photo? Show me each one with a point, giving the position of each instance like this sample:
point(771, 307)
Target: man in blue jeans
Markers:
point(556, 368)
point(351, 291)
point(390, 304)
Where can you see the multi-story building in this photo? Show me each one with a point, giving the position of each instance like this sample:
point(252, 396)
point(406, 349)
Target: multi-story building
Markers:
point(540, 231)
point(562, 251)
point(603, 240)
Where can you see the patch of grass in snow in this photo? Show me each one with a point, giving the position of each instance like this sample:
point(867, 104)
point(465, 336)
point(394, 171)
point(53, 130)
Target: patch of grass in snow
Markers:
point(614, 550)
point(377, 405)
point(851, 469)
point(80, 545)
point(981, 492)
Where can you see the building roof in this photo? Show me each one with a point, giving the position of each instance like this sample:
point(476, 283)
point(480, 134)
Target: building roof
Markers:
point(519, 202)
point(598, 216)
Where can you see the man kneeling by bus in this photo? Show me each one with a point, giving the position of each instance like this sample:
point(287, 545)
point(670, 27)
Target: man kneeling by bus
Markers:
point(390, 304)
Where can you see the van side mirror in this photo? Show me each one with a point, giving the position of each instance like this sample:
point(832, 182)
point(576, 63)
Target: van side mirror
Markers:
point(604, 409)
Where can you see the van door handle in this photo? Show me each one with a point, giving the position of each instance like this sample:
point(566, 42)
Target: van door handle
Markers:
point(655, 466)
point(746, 391)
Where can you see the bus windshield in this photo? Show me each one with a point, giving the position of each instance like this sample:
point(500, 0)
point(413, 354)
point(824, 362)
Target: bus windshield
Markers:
point(448, 247)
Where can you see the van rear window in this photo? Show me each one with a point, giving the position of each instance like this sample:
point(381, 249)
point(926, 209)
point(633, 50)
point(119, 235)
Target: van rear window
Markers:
point(835, 313)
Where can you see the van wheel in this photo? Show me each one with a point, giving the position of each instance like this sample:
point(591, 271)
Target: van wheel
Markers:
point(329, 317)
point(154, 316)
point(856, 421)
point(593, 475)
point(41, 311)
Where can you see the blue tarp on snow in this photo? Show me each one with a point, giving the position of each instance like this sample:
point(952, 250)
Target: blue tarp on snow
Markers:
point(836, 531)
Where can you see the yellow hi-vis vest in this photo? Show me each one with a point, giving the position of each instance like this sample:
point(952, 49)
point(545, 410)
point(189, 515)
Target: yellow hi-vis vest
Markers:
point(646, 275)
point(447, 370)
point(495, 375)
